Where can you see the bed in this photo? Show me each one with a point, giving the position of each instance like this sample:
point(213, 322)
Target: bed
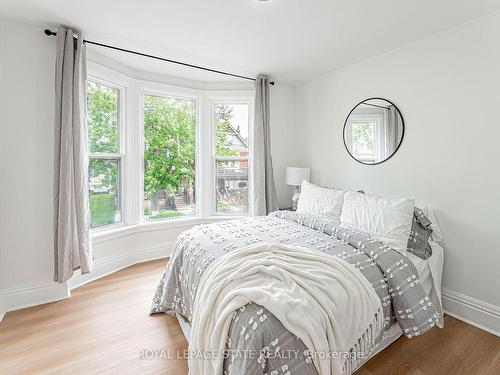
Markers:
point(197, 248)
point(429, 272)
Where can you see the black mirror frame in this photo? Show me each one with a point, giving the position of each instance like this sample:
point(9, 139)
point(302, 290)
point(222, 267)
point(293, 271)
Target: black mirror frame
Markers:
point(402, 134)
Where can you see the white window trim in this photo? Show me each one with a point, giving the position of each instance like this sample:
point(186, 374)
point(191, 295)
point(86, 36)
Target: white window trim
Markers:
point(120, 155)
point(166, 92)
point(379, 119)
point(233, 97)
point(132, 92)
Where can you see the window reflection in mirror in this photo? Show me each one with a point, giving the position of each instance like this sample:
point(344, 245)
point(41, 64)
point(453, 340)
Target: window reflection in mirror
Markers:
point(373, 131)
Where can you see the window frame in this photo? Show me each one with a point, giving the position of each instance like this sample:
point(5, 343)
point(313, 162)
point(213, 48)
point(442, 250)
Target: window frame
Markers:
point(232, 98)
point(120, 155)
point(131, 134)
point(165, 91)
point(379, 131)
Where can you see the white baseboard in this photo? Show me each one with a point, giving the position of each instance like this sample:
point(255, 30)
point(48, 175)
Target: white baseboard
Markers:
point(2, 309)
point(155, 251)
point(19, 296)
point(472, 311)
point(109, 265)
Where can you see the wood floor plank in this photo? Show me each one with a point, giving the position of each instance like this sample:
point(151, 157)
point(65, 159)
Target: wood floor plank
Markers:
point(105, 328)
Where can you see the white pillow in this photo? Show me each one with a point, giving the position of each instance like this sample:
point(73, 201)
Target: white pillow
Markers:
point(387, 220)
point(320, 201)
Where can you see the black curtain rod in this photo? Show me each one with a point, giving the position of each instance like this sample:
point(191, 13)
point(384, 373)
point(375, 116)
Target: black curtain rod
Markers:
point(374, 105)
point(53, 33)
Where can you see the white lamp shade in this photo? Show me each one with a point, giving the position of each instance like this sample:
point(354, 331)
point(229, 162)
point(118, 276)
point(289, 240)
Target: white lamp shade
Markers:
point(295, 175)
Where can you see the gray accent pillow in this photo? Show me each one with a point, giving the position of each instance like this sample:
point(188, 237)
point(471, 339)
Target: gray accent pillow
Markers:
point(418, 242)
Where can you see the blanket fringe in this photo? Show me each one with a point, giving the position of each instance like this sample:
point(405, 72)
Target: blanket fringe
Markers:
point(365, 344)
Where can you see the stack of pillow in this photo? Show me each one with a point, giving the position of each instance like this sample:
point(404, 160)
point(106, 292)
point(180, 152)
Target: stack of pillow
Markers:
point(395, 222)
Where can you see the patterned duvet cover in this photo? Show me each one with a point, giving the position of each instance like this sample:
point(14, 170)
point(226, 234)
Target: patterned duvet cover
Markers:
point(257, 342)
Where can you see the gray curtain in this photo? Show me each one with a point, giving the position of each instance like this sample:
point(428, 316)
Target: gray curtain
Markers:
point(392, 131)
point(72, 247)
point(264, 189)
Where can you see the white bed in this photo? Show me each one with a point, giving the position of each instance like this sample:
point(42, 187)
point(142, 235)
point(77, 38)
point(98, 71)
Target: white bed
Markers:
point(429, 273)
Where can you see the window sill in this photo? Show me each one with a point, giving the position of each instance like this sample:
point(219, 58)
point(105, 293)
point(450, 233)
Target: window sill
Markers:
point(122, 230)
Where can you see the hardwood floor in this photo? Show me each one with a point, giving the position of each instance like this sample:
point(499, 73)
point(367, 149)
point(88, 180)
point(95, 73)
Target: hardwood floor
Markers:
point(105, 328)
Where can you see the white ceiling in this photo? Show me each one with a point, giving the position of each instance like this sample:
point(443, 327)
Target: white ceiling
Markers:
point(290, 39)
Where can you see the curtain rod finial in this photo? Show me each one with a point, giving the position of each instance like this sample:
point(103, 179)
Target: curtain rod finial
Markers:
point(49, 32)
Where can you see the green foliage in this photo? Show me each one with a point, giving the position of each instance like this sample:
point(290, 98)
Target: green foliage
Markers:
point(165, 214)
point(223, 207)
point(363, 137)
point(223, 115)
point(169, 143)
point(106, 172)
point(102, 209)
point(169, 147)
point(102, 118)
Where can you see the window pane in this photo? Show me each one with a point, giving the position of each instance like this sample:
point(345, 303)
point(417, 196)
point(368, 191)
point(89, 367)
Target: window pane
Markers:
point(102, 115)
point(104, 192)
point(232, 129)
point(169, 157)
point(232, 186)
point(363, 140)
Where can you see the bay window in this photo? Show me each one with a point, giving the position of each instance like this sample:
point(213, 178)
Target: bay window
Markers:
point(160, 152)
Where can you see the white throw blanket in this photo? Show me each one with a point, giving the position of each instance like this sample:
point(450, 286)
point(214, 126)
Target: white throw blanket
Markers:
point(320, 298)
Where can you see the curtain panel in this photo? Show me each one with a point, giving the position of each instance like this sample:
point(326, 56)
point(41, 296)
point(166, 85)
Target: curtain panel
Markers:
point(264, 189)
point(392, 132)
point(72, 247)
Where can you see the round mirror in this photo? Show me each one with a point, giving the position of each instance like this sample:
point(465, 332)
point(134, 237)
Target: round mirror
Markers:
point(373, 131)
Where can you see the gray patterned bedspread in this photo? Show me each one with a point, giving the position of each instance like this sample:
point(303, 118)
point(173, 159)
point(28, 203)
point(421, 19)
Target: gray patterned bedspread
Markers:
point(254, 329)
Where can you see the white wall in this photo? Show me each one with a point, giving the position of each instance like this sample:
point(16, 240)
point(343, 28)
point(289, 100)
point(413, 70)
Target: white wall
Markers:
point(26, 152)
point(448, 89)
point(283, 139)
point(27, 59)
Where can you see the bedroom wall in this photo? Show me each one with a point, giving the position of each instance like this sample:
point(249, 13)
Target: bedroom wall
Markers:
point(447, 87)
point(26, 141)
point(26, 132)
point(283, 138)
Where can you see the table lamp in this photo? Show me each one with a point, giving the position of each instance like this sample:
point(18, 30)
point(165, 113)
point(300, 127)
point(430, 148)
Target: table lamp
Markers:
point(294, 177)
